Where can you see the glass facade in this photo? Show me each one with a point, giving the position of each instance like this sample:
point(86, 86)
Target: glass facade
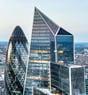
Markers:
point(42, 40)
point(65, 47)
point(60, 78)
point(16, 62)
point(68, 79)
point(77, 81)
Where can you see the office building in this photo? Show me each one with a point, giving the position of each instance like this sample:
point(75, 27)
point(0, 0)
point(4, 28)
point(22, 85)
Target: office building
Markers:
point(86, 79)
point(68, 79)
point(46, 39)
point(38, 73)
point(16, 62)
point(64, 47)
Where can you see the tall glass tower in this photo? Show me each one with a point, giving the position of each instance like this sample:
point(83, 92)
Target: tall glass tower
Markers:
point(41, 53)
point(16, 62)
point(64, 45)
point(49, 43)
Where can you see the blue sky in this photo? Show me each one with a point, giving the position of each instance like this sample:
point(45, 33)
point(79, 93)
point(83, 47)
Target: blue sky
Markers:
point(72, 15)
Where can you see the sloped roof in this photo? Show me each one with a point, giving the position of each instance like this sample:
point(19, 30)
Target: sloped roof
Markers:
point(54, 27)
point(63, 32)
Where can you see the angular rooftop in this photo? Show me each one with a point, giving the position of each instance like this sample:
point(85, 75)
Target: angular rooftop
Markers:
point(56, 29)
point(63, 32)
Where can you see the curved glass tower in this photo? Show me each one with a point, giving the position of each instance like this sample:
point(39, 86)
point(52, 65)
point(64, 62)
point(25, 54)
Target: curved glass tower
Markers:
point(16, 62)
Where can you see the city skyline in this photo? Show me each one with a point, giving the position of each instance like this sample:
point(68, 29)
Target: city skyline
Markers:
point(49, 61)
point(50, 44)
point(72, 15)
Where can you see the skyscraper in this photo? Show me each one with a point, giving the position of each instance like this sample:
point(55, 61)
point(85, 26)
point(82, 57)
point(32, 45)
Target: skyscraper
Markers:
point(16, 62)
point(64, 47)
point(42, 40)
point(49, 44)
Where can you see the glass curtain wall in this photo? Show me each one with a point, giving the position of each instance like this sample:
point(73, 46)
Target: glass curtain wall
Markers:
point(16, 62)
point(42, 44)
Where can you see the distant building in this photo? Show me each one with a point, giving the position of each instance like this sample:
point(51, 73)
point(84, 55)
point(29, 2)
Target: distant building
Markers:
point(49, 44)
point(86, 79)
point(81, 59)
point(16, 62)
point(68, 79)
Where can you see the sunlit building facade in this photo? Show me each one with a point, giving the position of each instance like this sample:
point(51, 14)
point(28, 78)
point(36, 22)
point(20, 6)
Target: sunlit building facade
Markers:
point(16, 62)
point(43, 51)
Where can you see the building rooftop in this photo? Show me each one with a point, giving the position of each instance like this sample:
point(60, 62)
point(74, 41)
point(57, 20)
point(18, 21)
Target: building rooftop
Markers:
point(18, 35)
point(56, 29)
point(63, 32)
point(53, 26)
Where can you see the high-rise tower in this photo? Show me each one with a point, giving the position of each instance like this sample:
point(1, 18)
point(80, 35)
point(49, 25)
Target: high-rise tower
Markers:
point(49, 43)
point(16, 62)
point(41, 53)
point(64, 44)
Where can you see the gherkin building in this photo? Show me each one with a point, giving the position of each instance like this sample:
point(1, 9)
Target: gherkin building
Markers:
point(16, 63)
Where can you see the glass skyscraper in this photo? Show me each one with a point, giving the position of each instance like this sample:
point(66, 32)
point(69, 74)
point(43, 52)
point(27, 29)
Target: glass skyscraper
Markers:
point(49, 44)
point(64, 47)
point(41, 53)
point(16, 62)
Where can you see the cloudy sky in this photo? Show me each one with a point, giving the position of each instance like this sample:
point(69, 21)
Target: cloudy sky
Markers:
point(72, 15)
